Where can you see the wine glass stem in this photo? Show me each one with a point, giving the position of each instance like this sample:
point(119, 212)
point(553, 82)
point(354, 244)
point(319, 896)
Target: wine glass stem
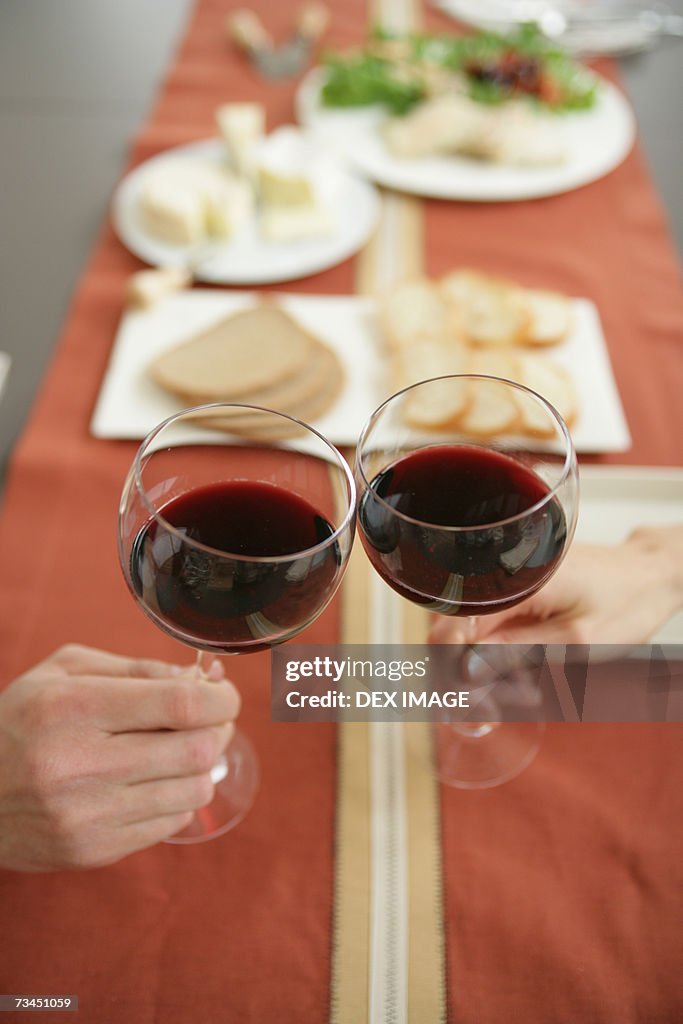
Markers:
point(473, 729)
point(203, 663)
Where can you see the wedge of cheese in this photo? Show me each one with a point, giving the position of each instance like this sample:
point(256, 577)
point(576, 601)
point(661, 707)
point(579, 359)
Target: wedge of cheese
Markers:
point(242, 126)
point(291, 186)
point(184, 201)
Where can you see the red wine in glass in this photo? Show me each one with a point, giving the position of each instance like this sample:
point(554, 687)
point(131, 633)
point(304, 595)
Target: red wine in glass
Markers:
point(245, 565)
point(462, 530)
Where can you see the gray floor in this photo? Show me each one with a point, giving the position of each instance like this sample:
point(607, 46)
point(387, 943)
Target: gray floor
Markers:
point(76, 79)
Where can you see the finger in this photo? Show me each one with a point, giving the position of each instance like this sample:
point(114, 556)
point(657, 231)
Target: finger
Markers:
point(77, 659)
point(528, 632)
point(134, 705)
point(149, 800)
point(143, 757)
point(142, 834)
point(467, 630)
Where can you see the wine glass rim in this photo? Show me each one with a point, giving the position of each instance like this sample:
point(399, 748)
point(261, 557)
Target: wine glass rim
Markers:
point(569, 458)
point(235, 556)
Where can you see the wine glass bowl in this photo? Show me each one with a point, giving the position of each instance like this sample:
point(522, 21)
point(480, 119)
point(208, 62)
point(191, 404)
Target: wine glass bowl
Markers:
point(235, 527)
point(463, 516)
point(461, 523)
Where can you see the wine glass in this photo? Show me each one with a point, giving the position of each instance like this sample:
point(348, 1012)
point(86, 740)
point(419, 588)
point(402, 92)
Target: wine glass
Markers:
point(468, 494)
point(235, 527)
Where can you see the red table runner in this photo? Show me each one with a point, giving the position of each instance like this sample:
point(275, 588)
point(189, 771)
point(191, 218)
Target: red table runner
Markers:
point(563, 889)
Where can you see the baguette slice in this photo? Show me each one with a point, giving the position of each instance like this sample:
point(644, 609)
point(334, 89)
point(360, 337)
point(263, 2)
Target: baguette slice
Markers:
point(416, 310)
point(551, 316)
point(492, 309)
point(491, 410)
point(241, 354)
point(554, 384)
point(438, 406)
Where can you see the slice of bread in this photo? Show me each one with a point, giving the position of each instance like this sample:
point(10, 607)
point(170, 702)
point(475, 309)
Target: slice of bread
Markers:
point(492, 309)
point(492, 409)
point(242, 354)
point(263, 427)
point(306, 396)
point(438, 406)
point(416, 310)
point(554, 384)
point(551, 317)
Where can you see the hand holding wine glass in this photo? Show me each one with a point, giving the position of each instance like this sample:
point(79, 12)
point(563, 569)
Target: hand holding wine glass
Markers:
point(467, 524)
point(235, 528)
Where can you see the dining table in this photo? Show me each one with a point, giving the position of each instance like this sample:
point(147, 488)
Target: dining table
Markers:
point(555, 898)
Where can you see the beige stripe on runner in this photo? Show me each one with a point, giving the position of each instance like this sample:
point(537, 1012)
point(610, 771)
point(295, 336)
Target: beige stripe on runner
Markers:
point(394, 253)
point(351, 927)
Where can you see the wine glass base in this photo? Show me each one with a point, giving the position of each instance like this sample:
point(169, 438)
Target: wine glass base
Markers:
point(237, 782)
point(479, 758)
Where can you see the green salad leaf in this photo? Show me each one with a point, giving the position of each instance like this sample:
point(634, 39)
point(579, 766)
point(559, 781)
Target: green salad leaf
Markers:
point(396, 70)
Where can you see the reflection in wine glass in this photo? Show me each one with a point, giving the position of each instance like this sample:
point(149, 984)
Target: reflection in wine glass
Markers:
point(235, 527)
point(466, 521)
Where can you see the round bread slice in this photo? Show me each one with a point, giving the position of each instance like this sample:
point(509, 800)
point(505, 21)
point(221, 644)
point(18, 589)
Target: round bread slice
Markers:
point(435, 406)
point(241, 354)
point(492, 409)
point(492, 310)
point(551, 317)
point(554, 384)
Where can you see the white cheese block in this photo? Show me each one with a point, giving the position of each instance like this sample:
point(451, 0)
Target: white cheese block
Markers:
point(171, 211)
point(242, 126)
point(184, 201)
point(288, 170)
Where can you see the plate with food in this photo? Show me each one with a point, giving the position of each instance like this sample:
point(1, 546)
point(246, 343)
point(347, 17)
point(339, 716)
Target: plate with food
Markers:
point(480, 117)
point(313, 357)
point(330, 360)
point(245, 208)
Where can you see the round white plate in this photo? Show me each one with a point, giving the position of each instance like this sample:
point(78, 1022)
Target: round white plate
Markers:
point(597, 141)
point(249, 259)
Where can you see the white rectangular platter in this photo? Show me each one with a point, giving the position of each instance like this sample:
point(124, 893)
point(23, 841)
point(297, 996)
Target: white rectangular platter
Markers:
point(130, 404)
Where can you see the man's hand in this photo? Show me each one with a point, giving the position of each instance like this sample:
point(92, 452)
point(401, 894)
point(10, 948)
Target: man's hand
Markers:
point(102, 755)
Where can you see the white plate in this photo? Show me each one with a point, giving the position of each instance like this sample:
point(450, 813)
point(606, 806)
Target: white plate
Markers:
point(248, 259)
point(616, 499)
point(130, 404)
point(593, 27)
point(597, 141)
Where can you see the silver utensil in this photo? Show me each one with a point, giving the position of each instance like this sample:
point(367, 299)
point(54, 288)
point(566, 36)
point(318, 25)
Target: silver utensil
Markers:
point(247, 31)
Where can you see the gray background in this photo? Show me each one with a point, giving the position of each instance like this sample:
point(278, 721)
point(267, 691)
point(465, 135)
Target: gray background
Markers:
point(77, 77)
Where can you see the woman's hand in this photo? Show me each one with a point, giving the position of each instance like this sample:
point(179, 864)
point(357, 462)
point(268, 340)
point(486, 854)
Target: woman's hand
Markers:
point(601, 594)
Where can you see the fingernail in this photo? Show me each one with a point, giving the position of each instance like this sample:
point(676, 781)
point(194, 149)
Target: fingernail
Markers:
point(216, 671)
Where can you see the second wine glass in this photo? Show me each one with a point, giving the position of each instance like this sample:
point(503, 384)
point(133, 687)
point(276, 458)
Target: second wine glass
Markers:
point(466, 518)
